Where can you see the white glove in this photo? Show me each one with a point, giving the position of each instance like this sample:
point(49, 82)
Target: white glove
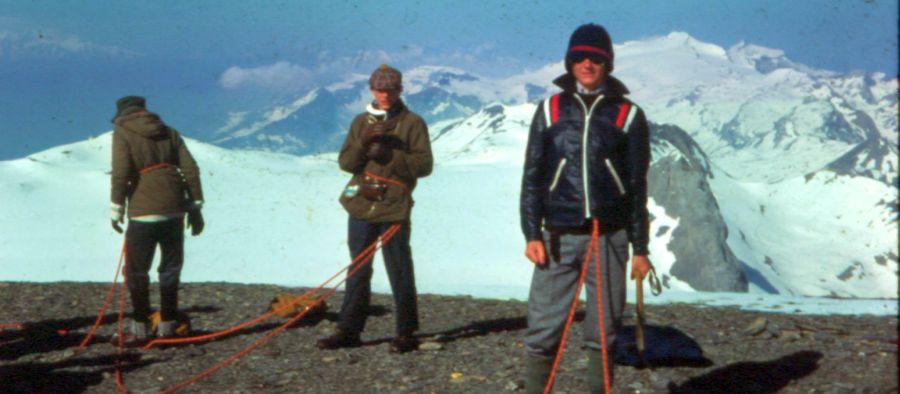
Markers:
point(117, 215)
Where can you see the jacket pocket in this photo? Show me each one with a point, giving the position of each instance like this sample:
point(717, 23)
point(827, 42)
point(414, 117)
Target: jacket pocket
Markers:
point(353, 201)
point(557, 174)
point(615, 176)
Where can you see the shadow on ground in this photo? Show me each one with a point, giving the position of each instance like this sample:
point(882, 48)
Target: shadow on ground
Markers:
point(664, 346)
point(72, 375)
point(752, 377)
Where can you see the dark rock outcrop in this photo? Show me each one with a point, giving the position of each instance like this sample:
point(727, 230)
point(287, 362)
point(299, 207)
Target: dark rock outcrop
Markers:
point(678, 182)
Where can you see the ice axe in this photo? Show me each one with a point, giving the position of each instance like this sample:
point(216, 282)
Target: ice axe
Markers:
point(655, 289)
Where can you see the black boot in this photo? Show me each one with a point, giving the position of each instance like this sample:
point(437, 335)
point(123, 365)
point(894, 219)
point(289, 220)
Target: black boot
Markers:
point(338, 340)
point(595, 371)
point(403, 344)
point(537, 371)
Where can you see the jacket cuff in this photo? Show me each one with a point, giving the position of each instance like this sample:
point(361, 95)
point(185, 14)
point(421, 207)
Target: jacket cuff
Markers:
point(640, 250)
point(534, 235)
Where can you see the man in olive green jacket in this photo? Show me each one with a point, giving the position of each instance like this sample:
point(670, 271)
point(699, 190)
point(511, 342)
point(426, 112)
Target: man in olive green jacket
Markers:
point(386, 150)
point(157, 179)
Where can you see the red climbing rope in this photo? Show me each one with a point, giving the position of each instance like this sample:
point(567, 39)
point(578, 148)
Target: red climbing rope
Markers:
point(599, 291)
point(593, 251)
point(120, 380)
point(359, 264)
point(562, 345)
point(109, 295)
point(370, 250)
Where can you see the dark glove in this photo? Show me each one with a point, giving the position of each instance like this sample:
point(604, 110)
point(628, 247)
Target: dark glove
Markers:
point(373, 132)
point(195, 222)
point(379, 152)
point(115, 226)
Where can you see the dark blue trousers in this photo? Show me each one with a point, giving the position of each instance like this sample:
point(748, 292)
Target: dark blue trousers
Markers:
point(399, 265)
point(141, 240)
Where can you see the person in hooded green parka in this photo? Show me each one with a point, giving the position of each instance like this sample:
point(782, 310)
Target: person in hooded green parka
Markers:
point(156, 181)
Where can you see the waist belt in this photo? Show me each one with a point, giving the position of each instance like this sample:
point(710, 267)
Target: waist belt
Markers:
point(388, 180)
point(581, 230)
point(155, 167)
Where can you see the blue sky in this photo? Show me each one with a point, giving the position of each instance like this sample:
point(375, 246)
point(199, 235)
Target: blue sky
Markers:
point(63, 63)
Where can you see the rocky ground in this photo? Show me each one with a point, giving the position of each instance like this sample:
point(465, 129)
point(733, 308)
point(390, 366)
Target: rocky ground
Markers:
point(471, 346)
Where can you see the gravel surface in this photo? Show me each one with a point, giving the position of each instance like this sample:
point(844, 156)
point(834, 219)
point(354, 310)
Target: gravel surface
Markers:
point(469, 346)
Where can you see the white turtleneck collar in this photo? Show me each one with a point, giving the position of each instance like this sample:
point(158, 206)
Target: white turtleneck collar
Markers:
point(583, 90)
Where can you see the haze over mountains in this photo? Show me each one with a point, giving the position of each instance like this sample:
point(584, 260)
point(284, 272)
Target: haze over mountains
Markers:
point(767, 176)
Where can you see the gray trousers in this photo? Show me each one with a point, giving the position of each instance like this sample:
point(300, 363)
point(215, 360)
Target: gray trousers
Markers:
point(553, 288)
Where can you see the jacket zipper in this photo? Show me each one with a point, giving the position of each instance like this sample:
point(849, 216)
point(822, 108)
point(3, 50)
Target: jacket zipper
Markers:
point(584, 151)
point(559, 169)
point(615, 175)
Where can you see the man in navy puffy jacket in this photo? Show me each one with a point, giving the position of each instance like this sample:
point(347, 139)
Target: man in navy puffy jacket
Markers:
point(587, 159)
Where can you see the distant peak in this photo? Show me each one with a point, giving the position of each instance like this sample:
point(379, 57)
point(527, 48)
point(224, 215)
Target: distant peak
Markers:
point(434, 68)
point(680, 36)
point(674, 42)
point(755, 50)
point(426, 72)
point(762, 59)
point(494, 109)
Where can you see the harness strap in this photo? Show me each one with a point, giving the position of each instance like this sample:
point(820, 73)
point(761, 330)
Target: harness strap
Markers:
point(624, 109)
point(388, 180)
point(155, 167)
point(551, 110)
point(627, 112)
point(554, 108)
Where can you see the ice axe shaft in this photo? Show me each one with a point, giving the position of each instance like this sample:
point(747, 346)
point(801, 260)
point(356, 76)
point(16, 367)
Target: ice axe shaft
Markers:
point(639, 325)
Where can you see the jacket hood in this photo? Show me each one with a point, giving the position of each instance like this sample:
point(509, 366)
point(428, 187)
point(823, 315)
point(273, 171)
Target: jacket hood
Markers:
point(614, 87)
point(144, 124)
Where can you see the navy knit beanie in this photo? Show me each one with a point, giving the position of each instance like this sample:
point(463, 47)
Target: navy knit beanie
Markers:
point(590, 41)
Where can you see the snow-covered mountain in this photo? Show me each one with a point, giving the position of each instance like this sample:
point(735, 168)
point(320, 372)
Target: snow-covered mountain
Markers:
point(318, 121)
point(766, 174)
point(756, 113)
point(802, 236)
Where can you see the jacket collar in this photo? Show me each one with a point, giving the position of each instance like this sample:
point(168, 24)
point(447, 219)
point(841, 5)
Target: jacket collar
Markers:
point(398, 108)
point(613, 86)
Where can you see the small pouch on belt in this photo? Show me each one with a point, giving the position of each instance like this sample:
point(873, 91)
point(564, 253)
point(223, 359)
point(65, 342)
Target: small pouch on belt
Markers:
point(373, 189)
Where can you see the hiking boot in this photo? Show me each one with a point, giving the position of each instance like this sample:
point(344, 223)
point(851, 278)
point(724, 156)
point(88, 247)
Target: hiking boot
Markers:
point(166, 329)
point(537, 372)
point(135, 334)
point(338, 340)
point(403, 344)
point(178, 327)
